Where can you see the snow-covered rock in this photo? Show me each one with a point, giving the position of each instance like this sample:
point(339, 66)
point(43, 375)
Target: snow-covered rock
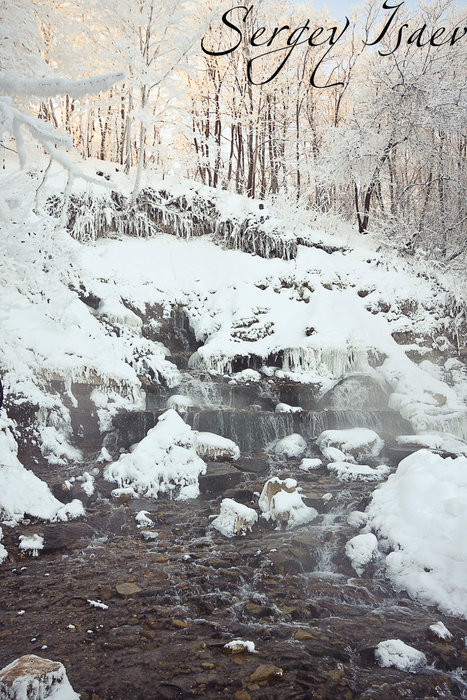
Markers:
point(31, 545)
point(236, 646)
point(394, 652)
point(281, 502)
point(346, 471)
point(308, 464)
point(165, 461)
point(286, 408)
point(234, 518)
point(361, 549)
point(420, 513)
point(212, 446)
point(440, 630)
point(356, 442)
point(291, 446)
point(36, 678)
point(143, 520)
point(443, 442)
point(333, 454)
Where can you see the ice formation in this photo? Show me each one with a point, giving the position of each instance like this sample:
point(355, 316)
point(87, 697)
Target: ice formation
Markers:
point(281, 502)
point(212, 446)
point(31, 545)
point(180, 403)
point(440, 630)
point(234, 518)
point(347, 471)
point(34, 677)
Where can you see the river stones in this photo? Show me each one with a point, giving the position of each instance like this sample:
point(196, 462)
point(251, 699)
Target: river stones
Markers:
point(126, 590)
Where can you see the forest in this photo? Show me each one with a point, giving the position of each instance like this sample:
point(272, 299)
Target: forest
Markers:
point(381, 143)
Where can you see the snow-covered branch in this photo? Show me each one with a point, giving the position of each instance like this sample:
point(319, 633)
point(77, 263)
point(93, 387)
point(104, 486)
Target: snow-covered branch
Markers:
point(12, 84)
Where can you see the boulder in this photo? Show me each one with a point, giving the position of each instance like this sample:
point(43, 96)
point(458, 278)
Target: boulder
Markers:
point(33, 678)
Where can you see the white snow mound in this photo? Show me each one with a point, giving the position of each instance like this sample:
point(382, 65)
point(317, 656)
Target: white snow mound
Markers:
point(165, 461)
point(394, 652)
point(212, 446)
point(358, 472)
point(361, 549)
point(291, 446)
point(234, 518)
point(420, 513)
point(356, 442)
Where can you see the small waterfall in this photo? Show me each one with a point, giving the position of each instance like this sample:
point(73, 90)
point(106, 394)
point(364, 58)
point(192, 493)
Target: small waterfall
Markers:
point(311, 423)
point(357, 392)
point(253, 431)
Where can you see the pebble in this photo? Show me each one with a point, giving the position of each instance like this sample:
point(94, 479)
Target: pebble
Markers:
point(126, 590)
point(266, 672)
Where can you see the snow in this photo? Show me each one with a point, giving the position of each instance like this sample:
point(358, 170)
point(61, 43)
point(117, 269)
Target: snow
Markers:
point(143, 520)
point(3, 552)
point(335, 455)
point(361, 549)
point(234, 518)
point(281, 502)
point(420, 515)
point(346, 471)
point(286, 408)
point(440, 630)
point(239, 644)
point(444, 442)
point(356, 442)
point(21, 491)
point(164, 462)
point(33, 677)
point(291, 446)
point(308, 464)
point(394, 652)
point(211, 446)
point(31, 545)
point(98, 604)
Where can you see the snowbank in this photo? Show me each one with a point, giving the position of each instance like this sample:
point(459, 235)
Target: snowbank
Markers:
point(234, 518)
point(291, 446)
point(22, 492)
point(394, 652)
point(165, 461)
point(280, 501)
point(420, 513)
point(356, 442)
